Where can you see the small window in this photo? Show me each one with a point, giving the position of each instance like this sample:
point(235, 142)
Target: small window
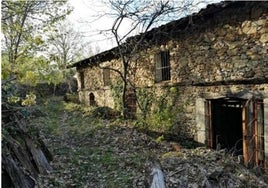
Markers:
point(106, 77)
point(163, 66)
point(82, 80)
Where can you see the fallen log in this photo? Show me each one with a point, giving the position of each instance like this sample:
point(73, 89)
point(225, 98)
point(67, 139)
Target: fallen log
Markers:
point(38, 156)
point(156, 176)
point(24, 155)
point(19, 179)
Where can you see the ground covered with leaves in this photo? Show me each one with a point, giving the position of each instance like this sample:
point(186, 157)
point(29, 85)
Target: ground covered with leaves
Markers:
point(96, 152)
point(93, 152)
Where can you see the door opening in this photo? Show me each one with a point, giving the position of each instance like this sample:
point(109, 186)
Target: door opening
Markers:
point(92, 101)
point(236, 125)
point(226, 124)
point(131, 105)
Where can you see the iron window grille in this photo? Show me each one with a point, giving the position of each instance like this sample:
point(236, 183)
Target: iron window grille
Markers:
point(163, 66)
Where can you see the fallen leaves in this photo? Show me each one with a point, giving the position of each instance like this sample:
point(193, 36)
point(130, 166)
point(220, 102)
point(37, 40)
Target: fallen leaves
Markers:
point(203, 167)
point(92, 152)
point(95, 152)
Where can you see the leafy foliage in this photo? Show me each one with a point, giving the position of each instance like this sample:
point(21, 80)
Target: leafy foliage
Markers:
point(66, 47)
point(70, 97)
point(164, 116)
point(105, 113)
point(117, 91)
point(24, 26)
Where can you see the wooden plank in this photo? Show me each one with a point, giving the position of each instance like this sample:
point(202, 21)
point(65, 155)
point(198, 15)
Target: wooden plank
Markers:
point(18, 178)
point(256, 134)
point(20, 151)
point(38, 157)
point(210, 124)
point(244, 129)
point(156, 176)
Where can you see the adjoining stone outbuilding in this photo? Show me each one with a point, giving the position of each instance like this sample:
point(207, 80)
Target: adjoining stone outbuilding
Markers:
point(218, 63)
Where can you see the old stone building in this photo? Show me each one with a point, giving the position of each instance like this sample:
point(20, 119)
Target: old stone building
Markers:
point(216, 65)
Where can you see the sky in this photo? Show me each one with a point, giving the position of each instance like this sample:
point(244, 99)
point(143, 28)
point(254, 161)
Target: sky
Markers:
point(86, 18)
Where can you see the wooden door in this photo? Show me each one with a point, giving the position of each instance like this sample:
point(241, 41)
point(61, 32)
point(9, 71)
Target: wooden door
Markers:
point(253, 132)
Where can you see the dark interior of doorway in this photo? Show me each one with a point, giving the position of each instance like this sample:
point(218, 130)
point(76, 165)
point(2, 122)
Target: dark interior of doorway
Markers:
point(227, 124)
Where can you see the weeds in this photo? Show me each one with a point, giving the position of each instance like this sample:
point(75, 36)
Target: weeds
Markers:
point(90, 151)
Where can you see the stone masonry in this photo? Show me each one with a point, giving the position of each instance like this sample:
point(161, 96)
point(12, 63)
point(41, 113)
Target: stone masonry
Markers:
point(223, 53)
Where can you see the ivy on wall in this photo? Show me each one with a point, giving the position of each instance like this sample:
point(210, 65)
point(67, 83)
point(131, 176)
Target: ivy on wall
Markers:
point(159, 111)
point(117, 90)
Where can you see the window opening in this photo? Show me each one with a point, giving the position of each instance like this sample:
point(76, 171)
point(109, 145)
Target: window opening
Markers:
point(163, 66)
point(82, 77)
point(106, 77)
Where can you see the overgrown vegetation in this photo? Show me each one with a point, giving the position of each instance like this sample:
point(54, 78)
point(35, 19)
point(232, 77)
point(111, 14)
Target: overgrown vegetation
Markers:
point(159, 112)
point(117, 90)
point(90, 151)
point(97, 152)
point(24, 154)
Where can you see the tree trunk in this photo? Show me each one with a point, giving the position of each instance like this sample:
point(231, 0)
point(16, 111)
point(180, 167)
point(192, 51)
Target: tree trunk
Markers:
point(18, 177)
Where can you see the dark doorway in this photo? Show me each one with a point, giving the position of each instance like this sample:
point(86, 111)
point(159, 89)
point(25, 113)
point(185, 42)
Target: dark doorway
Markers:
point(92, 101)
point(227, 124)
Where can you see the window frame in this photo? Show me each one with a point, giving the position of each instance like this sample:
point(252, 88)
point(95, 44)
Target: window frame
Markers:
point(106, 73)
point(82, 80)
point(162, 66)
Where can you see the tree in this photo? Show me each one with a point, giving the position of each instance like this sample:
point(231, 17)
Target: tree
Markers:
point(24, 25)
point(67, 46)
point(143, 16)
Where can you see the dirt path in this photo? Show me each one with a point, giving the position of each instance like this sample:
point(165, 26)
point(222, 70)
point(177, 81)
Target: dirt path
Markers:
point(91, 152)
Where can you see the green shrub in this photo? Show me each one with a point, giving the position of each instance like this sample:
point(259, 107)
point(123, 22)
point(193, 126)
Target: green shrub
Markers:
point(68, 97)
point(105, 112)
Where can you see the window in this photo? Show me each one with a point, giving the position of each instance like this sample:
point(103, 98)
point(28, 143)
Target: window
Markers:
point(82, 80)
point(162, 66)
point(106, 77)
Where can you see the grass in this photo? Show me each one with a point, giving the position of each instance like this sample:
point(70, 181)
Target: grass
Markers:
point(89, 151)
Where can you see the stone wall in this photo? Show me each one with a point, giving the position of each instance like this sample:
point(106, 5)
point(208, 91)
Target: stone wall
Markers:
point(221, 56)
point(232, 45)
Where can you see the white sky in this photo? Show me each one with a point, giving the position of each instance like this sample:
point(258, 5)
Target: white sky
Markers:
point(86, 19)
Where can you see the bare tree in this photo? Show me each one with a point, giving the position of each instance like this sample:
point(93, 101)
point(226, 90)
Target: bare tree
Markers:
point(66, 47)
point(143, 16)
